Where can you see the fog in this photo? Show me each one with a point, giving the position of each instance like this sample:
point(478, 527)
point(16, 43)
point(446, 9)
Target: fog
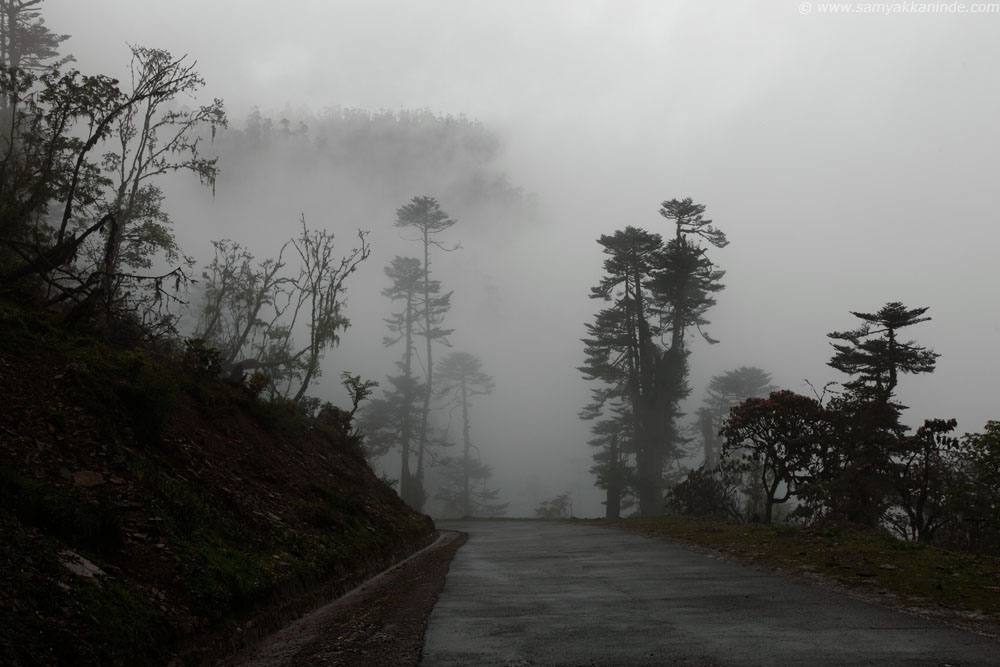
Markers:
point(851, 159)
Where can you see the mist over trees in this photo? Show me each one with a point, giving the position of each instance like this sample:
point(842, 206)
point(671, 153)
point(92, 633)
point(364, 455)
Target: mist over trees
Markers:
point(363, 164)
point(845, 455)
point(136, 206)
point(26, 44)
point(86, 222)
point(402, 417)
point(722, 393)
point(250, 309)
point(461, 378)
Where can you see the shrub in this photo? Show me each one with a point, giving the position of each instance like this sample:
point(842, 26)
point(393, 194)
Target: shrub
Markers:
point(559, 507)
point(711, 493)
point(201, 358)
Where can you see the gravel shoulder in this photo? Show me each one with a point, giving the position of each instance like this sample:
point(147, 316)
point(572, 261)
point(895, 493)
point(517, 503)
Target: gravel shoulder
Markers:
point(379, 624)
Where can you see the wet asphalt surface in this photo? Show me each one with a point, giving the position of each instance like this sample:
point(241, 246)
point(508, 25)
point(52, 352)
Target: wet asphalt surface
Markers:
point(531, 594)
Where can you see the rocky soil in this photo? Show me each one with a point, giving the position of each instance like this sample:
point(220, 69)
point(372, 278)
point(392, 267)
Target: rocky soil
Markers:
point(152, 514)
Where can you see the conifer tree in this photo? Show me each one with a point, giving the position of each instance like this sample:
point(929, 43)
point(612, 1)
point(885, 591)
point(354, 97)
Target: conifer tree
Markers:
point(425, 216)
point(657, 292)
point(874, 356)
point(391, 421)
point(25, 42)
point(858, 472)
point(621, 352)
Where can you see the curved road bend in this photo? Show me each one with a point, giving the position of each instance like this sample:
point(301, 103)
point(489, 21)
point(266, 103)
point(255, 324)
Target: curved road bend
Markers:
point(523, 593)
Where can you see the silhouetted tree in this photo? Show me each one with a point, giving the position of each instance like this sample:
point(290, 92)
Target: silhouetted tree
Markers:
point(875, 357)
point(151, 139)
point(858, 479)
point(384, 421)
point(612, 470)
point(684, 284)
point(717, 493)
point(253, 313)
point(425, 216)
point(657, 290)
point(778, 436)
point(242, 301)
point(975, 524)
point(923, 470)
point(27, 47)
point(480, 501)
point(621, 354)
point(57, 123)
point(406, 274)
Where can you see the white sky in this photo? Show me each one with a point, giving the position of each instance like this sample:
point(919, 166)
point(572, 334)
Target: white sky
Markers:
point(851, 159)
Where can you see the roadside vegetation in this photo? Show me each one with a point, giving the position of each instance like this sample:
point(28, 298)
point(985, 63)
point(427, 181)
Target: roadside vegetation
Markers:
point(918, 575)
point(151, 511)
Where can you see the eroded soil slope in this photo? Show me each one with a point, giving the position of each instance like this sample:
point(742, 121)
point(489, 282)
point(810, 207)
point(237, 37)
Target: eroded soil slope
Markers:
point(151, 513)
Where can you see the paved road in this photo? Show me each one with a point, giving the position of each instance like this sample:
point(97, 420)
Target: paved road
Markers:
point(525, 594)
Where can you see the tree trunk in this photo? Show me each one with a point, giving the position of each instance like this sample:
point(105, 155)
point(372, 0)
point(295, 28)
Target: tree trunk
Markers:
point(613, 501)
point(429, 388)
point(110, 264)
point(708, 436)
point(405, 486)
point(467, 444)
point(651, 485)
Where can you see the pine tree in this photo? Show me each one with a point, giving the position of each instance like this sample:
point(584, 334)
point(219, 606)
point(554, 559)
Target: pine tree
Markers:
point(392, 421)
point(656, 290)
point(621, 354)
point(614, 438)
point(858, 472)
point(684, 285)
point(874, 356)
point(424, 215)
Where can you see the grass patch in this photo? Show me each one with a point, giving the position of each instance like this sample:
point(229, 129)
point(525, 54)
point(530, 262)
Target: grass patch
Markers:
point(114, 628)
point(61, 514)
point(228, 574)
point(54, 617)
point(921, 573)
point(126, 387)
point(224, 581)
point(127, 631)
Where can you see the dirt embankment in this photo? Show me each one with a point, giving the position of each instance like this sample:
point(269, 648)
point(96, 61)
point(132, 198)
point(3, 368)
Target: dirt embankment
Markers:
point(152, 514)
point(379, 624)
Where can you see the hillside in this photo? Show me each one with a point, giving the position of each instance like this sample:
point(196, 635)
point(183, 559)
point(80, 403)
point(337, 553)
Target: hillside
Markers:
point(152, 514)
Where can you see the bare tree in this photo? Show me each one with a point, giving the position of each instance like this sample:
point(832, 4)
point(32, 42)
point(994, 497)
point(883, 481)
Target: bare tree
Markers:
point(252, 314)
point(56, 124)
point(152, 138)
